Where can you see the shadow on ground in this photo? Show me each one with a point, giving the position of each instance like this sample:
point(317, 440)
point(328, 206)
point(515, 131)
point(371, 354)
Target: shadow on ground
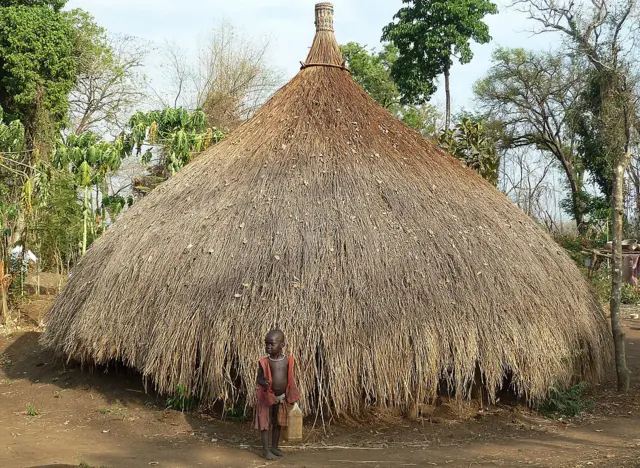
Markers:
point(72, 428)
point(27, 359)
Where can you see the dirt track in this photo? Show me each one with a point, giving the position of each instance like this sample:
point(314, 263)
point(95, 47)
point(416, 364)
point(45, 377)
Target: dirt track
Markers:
point(107, 420)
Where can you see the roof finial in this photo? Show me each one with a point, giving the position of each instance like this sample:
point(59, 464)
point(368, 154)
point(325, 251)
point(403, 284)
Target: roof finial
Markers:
point(324, 16)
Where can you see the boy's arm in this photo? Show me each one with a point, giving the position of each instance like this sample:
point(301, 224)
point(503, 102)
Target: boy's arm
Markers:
point(261, 380)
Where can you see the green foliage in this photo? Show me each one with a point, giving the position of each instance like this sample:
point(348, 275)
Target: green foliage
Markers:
point(594, 118)
point(89, 158)
point(629, 294)
point(575, 243)
point(180, 401)
point(237, 412)
point(57, 228)
point(427, 34)
point(600, 278)
point(601, 281)
point(56, 5)
point(114, 205)
point(596, 209)
point(470, 143)
point(423, 118)
point(532, 94)
point(178, 132)
point(372, 70)
point(12, 180)
point(89, 39)
point(11, 135)
point(38, 69)
point(567, 403)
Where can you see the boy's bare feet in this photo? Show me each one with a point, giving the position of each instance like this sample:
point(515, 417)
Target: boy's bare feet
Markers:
point(269, 456)
point(277, 452)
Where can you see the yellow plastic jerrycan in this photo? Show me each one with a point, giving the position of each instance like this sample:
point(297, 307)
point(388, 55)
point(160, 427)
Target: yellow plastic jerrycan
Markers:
point(294, 428)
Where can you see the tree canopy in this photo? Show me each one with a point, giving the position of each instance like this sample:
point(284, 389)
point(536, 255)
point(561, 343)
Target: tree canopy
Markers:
point(372, 70)
point(55, 5)
point(38, 68)
point(532, 94)
point(427, 34)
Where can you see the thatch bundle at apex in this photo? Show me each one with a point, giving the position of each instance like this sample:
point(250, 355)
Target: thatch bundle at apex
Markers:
point(389, 265)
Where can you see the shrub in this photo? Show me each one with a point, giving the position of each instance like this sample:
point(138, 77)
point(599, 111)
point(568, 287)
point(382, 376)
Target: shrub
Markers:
point(601, 281)
point(31, 410)
point(570, 402)
point(180, 401)
point(629, 294)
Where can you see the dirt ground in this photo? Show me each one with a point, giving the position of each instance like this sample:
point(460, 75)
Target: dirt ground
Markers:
point(83, 418)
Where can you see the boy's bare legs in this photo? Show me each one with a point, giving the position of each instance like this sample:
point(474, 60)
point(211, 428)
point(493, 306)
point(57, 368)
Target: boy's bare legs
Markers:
point(275, 440)
point(266, 453)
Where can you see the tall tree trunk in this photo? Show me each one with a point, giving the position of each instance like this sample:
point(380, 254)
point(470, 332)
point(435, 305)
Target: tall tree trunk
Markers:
point(578, 214)
point(447, 91)
point(4, 293)
point(575, 187)
point(85, 219)
point(616, 277)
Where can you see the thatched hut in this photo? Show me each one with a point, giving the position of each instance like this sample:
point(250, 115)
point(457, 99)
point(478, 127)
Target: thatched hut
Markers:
point(394, 270)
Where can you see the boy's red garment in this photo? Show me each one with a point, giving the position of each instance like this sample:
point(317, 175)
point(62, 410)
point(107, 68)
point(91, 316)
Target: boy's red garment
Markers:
point(266, 398)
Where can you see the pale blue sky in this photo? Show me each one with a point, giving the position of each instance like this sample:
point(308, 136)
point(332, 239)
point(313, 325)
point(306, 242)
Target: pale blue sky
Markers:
point(288, 25)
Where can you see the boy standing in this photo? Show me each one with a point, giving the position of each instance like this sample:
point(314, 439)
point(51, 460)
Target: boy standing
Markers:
point(276, 391)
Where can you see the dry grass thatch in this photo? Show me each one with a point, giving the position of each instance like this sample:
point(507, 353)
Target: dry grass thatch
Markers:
point(389, 265)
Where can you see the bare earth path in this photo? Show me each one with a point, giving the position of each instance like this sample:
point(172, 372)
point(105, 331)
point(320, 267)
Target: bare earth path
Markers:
point(107, 420)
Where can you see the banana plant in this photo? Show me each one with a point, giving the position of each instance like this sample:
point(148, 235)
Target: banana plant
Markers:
point(90, 160)
point(178, 133)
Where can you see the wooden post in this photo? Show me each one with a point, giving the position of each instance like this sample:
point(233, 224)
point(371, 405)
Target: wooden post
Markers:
point(616, 279)
point(477, 388)
point(4, 284)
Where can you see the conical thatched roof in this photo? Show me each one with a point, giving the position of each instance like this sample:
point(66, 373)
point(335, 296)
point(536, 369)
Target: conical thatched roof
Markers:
point(389, 265)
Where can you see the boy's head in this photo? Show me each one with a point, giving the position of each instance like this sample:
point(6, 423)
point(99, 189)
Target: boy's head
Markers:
point(274, 343)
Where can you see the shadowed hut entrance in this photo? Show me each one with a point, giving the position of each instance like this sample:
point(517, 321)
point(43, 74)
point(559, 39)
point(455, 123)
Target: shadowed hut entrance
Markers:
point(390, 266)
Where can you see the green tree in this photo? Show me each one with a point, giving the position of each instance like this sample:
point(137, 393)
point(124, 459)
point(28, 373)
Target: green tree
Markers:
point(11, 135)
point(428, 34)
point(38, 69)
point(604, 33)
point(178, 133)
point(90, 160)
point(55, 5)
point(58, 223)
point(471, 143)
point(533, 94)
point(12, 176)
point(589, 121)
point(372, 70)
point(424, 118)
